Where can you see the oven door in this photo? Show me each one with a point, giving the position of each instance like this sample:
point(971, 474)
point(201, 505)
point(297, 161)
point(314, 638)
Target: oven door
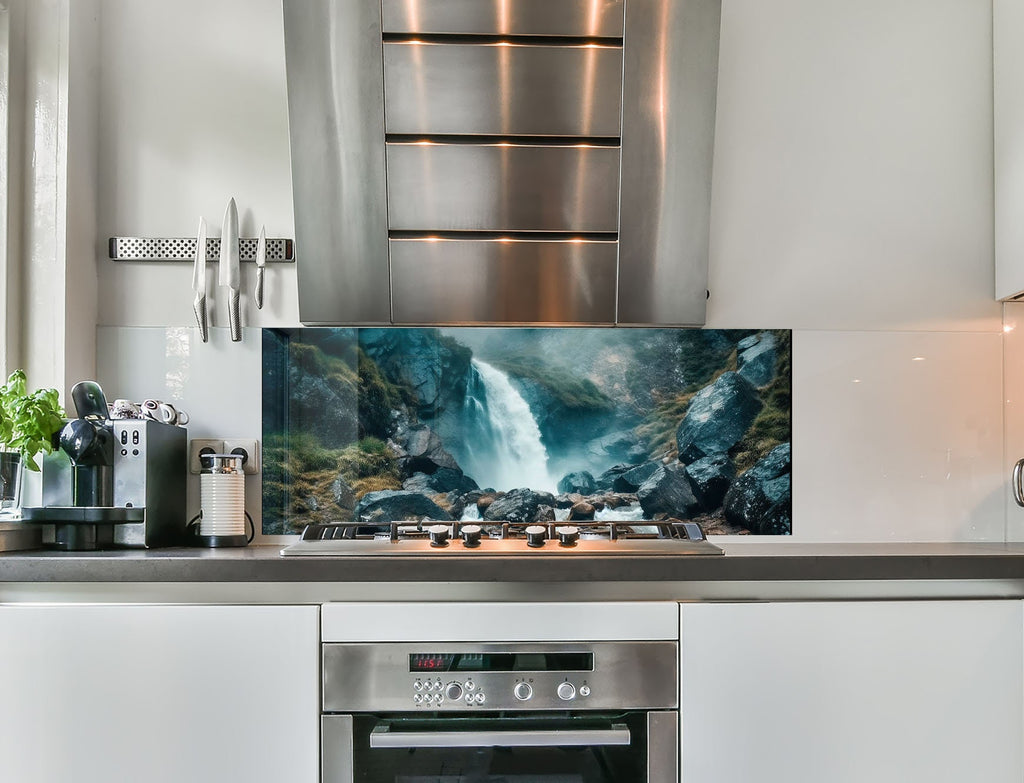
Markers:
point(630, 747)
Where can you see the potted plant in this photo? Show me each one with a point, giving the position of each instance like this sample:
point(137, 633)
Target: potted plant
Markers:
point(28, 423)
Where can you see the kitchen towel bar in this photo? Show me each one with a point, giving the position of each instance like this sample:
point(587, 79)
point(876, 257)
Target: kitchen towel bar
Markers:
point(280, 251)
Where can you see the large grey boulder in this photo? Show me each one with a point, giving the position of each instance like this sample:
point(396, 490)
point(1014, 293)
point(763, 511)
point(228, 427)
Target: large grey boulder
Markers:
point(710, 478)
point(441, 480)
point(420, 451)
point(761, 499)
point(399, 505)
point(633, 479)
point(668, 491)
point(518, 505)
point(757, 361)
point(579, 481)
point(717, 418)
point(606, 480)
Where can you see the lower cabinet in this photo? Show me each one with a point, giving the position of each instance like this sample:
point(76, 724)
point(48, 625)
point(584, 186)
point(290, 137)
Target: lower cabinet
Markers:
point(858, 692)
point(160, 694)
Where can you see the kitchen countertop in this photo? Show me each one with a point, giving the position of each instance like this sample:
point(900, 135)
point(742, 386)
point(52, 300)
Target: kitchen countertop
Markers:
point(748, 571)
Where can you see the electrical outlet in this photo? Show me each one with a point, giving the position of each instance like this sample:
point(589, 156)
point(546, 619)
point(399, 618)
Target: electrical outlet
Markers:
point(249, 449)
point(199, 446)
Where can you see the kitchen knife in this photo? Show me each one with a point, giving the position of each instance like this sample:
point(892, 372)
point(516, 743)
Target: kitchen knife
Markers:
point(229, 274)
point(261, 262)
point(199, 281)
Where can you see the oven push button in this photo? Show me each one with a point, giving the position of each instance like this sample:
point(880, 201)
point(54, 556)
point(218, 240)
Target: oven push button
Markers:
point(566, 691)
point(522, 691)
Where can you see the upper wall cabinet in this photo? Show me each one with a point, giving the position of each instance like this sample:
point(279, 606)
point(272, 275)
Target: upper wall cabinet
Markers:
point(502, 161)
point(1008, 104)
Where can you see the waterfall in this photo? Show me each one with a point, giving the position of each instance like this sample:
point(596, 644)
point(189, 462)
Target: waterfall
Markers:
point(502, 446)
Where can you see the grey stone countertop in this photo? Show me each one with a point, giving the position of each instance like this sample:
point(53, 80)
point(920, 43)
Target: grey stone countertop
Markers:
point(743, 562)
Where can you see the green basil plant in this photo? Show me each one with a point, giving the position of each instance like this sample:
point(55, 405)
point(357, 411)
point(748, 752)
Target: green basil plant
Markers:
point(28, 421)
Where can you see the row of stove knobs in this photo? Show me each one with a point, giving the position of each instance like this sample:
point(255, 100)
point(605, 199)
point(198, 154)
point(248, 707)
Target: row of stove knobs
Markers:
point(536, 535)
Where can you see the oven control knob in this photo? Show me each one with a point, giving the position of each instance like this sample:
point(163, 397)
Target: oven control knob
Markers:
point(566, 691)
point(584, 690)
point(567, 535)
point(471, 535)
point(535, 535)
point(438, 535)
point(453, 692)
point(522, 691)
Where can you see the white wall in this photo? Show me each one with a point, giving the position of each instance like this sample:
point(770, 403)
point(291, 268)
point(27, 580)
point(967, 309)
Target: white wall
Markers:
point(852, 203)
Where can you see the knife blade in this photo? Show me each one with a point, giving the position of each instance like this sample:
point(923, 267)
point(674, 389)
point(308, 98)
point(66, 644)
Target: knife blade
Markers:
point(261, 262)
point(229, 272)
point(199, 282)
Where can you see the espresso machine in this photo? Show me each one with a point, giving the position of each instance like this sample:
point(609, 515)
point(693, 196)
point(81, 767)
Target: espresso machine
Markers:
point(117, 482)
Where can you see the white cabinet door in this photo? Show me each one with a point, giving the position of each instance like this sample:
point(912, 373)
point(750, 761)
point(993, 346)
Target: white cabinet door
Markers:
point(160, 694)
point(881, 692)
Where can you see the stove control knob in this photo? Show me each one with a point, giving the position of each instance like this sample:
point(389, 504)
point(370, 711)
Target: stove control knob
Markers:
point(535, 535)
point(566, 691)
point(522, 691)
point(471, 535)
point(584, 690)
point(453, 692)
point(438, 535)
point(567, 535)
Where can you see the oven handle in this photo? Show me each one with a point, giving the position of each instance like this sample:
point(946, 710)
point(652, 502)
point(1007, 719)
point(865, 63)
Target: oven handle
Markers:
point(383, 737)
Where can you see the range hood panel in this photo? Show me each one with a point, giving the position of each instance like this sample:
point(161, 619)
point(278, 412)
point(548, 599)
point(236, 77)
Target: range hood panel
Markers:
point(580, 131)
point(502, 188)
point(507, 282)
point(592, 18)
point(494, 89)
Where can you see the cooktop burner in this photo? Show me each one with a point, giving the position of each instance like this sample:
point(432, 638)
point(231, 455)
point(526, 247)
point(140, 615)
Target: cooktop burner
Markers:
point(458, 539)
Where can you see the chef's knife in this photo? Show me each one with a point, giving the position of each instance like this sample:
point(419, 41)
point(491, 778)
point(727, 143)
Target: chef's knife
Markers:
point(261, 262)
point(229, 274)
point(199, 281)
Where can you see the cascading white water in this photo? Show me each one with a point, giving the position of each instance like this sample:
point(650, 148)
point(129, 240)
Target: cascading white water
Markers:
point(503, 448)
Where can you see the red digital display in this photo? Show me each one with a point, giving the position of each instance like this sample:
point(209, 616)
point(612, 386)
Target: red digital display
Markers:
point(430, 662)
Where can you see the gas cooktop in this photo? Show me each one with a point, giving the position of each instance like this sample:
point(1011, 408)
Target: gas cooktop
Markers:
point(469, 539)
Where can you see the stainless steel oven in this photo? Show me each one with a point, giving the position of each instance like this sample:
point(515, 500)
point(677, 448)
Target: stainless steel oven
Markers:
point(518, 712)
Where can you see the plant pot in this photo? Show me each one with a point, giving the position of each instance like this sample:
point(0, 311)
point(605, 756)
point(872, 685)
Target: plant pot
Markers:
point(11, 470)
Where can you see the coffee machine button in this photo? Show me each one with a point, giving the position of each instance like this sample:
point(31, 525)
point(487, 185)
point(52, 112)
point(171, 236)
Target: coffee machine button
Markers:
point(124, 437)
point(124, 452)
point(135, 437)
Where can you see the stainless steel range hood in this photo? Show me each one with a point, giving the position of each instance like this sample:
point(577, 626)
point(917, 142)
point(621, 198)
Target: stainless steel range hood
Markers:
point(502, 161)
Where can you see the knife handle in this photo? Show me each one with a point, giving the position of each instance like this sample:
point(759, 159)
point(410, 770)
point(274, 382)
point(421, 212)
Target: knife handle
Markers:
point(234, 317)
point(199, 306)
point(258, 295)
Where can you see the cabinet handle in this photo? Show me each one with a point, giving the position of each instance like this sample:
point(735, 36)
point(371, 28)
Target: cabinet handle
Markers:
point(1018, 486)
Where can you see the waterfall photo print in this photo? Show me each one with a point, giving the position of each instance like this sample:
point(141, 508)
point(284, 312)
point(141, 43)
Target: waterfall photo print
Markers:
point(527, 424)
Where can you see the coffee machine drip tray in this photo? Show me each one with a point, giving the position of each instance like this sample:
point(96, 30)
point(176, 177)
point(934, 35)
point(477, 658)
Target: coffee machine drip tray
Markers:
point(92, 515)
point(80, 528)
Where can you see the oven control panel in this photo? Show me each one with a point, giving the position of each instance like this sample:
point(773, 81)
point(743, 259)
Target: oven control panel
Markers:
point(440, 692)
point(513, 676)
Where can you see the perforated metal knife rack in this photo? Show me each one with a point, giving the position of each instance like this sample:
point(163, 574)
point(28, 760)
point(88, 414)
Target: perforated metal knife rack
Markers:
point(279, 251)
